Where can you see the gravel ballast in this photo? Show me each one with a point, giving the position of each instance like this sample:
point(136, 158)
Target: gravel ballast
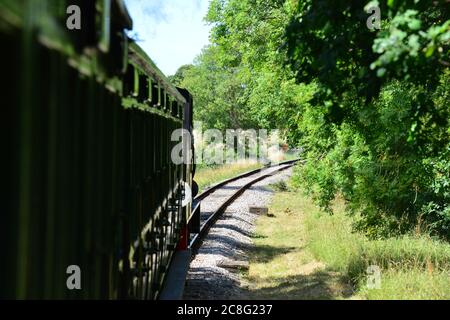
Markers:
point(214, 273)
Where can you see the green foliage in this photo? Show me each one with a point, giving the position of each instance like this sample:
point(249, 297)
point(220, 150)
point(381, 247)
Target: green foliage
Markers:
point(395, 183)
point(180, 75)
point(330, 41)
point(377, 130)
point(414, 45)
point(280, 186)
point(240, 81)
point(371, 108)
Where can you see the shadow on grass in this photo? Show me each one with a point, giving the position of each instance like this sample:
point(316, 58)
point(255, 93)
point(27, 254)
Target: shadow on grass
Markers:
point(320, 285)
point(307, 281)
point(265, 253)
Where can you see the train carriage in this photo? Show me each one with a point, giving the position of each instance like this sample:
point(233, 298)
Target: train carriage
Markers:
point(90, 181)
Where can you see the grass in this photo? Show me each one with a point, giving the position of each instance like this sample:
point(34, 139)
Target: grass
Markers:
point(291, 155)
point(301, 237)
point(280, 265)
point(207, 176)
point(412, 267)
point(410, 284)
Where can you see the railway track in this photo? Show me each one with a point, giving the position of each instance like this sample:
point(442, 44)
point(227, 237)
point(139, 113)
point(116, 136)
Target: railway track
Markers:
point(223, 198)
point(209, 206)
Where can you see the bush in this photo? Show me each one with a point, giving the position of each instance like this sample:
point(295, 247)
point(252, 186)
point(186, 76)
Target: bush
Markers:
point(395, 178)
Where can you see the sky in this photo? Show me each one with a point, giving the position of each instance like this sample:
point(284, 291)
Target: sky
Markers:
point(171, 32)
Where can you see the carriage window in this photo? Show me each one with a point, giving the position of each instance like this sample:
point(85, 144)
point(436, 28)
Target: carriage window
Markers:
point(155, 94)
point(143, 88)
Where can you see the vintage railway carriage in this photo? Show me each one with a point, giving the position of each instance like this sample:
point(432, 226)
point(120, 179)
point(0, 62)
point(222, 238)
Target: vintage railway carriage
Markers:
point(88, 175)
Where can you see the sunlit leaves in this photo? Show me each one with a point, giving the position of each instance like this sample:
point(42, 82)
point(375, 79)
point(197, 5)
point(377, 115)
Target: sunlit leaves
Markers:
point(379, 120)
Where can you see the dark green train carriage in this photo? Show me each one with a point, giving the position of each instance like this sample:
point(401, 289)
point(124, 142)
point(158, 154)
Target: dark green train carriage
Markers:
point(89, 178)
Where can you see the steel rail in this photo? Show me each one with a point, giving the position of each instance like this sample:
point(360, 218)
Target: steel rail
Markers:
point(197, 240)
point(213, 188)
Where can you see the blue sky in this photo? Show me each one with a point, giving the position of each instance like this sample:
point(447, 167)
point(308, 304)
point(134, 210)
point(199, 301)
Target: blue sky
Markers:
point(172, 32)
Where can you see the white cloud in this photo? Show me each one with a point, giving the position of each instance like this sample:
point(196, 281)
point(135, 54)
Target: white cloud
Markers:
point(172, 31)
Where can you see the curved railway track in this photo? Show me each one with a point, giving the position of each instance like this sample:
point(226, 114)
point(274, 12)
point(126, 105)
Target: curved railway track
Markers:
point(224, 198)
point(208, 207)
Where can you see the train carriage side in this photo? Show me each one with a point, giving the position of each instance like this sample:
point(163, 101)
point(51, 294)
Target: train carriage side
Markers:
point(90, 183)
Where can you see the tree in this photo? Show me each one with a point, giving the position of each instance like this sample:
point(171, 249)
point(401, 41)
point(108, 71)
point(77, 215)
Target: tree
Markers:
point(381, 107)
point(179, 76)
